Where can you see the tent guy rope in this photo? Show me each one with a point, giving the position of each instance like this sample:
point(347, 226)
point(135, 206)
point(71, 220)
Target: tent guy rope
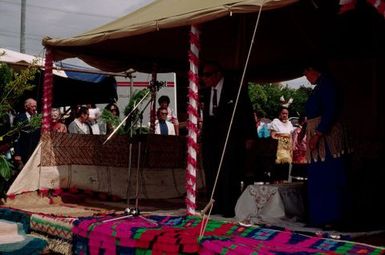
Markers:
point(204, 223)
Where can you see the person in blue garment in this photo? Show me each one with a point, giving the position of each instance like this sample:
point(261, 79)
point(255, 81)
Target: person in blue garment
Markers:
point(328, 195)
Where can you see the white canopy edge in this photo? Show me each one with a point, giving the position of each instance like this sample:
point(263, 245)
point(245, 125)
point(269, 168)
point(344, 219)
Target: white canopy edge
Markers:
point(14, 57)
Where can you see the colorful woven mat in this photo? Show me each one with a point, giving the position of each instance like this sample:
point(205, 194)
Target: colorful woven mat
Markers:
point(179, 235)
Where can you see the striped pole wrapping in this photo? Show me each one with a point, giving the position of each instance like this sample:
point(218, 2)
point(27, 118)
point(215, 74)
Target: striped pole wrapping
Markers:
point(192, 128)
point(47, 94)
point(379, 5)
point(347, 5)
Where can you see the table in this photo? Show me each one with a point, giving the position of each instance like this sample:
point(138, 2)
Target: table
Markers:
point(270, 203)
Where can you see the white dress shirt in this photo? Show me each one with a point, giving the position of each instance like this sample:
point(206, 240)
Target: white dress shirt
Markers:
point(218, 87)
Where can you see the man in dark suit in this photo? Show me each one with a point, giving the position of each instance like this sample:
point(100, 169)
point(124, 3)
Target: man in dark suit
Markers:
point(29, 137)
point(219, 98)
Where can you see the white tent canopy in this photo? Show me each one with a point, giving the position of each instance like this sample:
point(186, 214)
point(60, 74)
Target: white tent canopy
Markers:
point(15, 58)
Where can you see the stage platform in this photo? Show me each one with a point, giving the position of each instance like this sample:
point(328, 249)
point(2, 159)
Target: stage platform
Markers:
point(148, 166)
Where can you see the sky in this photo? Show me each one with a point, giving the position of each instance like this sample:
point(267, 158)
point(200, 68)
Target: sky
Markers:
point(62, 19)
point(57, 19)
point(296, 83)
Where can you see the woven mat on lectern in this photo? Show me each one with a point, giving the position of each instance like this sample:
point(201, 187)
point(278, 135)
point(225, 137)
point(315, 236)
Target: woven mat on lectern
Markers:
point(74, 149)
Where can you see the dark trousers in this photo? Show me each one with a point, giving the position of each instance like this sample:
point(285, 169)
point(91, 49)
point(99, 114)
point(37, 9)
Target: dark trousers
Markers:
point(228, 187)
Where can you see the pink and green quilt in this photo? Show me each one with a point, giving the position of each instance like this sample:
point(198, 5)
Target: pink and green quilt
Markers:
point(180, 235)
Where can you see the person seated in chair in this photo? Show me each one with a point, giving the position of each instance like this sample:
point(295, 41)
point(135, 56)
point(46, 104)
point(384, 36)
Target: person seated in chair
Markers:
point(57, 124)
point(164, 102)
point(80, 125)
point(163, 126)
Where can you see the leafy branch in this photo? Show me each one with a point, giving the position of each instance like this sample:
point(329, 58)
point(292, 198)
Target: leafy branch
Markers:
point(136, 97)
point(5, 168)
point(111, 120)
point(13, 85)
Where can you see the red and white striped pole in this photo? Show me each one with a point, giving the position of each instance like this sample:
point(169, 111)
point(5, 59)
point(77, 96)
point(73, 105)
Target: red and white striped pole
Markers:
point(192, 110)
point(379, 5)
point(47, 92)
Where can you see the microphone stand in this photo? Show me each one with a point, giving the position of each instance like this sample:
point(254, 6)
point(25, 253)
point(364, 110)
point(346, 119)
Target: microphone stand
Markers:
point(129, 168)
point(154, 86)
point(138, 162)
point(140, 117)
point(124, 120)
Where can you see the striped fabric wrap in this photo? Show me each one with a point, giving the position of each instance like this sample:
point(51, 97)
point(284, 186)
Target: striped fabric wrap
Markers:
point(59, 227)
point(179, 235)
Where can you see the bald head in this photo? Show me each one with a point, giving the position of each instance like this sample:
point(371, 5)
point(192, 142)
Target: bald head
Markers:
point(30, 106)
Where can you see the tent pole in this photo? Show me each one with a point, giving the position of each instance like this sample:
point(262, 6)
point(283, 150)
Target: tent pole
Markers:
point(153, 89)
point(192, 121)
point(131, 85)
point(47, 94)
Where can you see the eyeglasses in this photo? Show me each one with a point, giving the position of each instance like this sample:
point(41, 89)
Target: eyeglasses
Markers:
point(164, 113)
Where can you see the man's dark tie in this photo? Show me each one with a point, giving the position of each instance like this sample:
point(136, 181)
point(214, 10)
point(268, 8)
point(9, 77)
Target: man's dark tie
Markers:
point(215, 100)
point(163, 128)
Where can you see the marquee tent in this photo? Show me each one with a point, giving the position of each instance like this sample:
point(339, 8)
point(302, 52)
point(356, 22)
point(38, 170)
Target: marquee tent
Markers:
point(288, 34)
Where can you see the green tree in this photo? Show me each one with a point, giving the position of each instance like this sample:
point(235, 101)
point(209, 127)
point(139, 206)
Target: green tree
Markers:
point(12, 87)
point(265, 98)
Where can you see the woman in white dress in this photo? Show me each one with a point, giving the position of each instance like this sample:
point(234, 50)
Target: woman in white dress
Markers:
point(281, 129)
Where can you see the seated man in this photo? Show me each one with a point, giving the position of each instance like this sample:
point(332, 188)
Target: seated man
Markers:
point(164, 102)
point(163, 126)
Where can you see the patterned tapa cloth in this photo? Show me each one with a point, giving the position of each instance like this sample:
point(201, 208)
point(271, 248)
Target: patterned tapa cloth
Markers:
point(179, 235)
point(337, 141)
point(74, 149)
